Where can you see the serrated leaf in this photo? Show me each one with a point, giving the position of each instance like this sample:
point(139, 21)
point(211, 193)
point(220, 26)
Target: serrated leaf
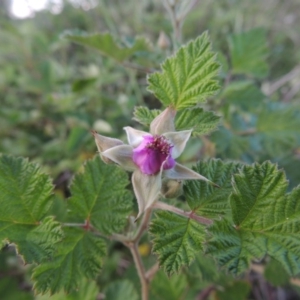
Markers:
point(266, 221)
point(188, 76)
point(88, 290)
point(201, 121)
point(205, 199)
point(144, 115)
point(120, 290)
point(25, 199)
point(78, 255)
point(176, 240)
point(106, 44)
point(168, 288)
point(249, 52)
point(99, 195)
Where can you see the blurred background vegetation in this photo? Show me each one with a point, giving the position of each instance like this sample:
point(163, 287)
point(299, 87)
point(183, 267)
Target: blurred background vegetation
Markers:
point(53, 92)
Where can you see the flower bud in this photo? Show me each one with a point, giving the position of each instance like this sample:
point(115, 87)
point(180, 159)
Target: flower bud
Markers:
point(163, 41)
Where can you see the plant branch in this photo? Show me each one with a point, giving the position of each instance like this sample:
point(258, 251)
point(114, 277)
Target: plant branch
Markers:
point(133, 247)
point(178, 211)
point(152, 271)
point(143, 225)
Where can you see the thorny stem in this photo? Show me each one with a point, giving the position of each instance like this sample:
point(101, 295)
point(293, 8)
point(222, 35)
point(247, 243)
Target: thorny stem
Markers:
point(178, 211)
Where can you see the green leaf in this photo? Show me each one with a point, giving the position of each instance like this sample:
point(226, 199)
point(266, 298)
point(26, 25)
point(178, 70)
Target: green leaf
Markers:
point(278, 127)
point(88, 290)
point(144, 115)
point(276, 274)
point(168, 288)
point(249, 52)
point(120, 290)
point(106, 44)
point(25, 200)
point(244, 94)
point(176, 240)
point(201, 121)
point(205, 199)
point(266, 221)
point(81, 84)
point(188, 76)
point(238, 290)
point(10, 289)
point(78, 255)
point(99, 196)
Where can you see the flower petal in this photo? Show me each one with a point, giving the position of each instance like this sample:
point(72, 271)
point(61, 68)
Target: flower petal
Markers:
point(146, 189)
point(134, 136)
point(103, 143)
point(164, 122)
point(178, 140)
point(121, 155)
point(180, 172)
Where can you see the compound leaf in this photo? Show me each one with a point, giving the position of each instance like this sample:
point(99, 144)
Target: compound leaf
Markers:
point(106, 44)
point(176, 240)
point(201, 121)
point(99, 196)
point(266, 221)
point(188, 76)
point(205, 199)
point(25, 201)
point(144, 115)
point(78, 255)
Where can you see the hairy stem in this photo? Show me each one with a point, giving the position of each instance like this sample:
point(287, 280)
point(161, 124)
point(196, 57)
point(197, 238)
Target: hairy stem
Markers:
point(178, 211)
point(133, 247)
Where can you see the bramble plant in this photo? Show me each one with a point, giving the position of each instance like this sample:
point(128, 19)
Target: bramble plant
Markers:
point(215, 213)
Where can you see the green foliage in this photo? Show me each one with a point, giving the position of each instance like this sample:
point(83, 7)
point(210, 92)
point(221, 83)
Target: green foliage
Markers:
point(248, 52)
point(187, 77)
point(244, 94)
point(145, 115)
point(10, 290)
point(106, 44)
point(266, 221)
point(168, 288)
point(79, 255)
point(271, 272)
point(205, 199)
point(99, 196)
point(25, 200)
point(238, 290)
point(278, 127)
point(201, 121)
point(120, 290)
point(176, 240)
point(88, 290)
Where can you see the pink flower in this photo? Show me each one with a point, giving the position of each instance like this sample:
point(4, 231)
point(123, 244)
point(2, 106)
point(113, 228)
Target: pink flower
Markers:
point(151, 156)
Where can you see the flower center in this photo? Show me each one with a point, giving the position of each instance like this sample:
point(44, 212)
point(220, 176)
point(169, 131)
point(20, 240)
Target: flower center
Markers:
point(161, 144)
point(153, 153)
